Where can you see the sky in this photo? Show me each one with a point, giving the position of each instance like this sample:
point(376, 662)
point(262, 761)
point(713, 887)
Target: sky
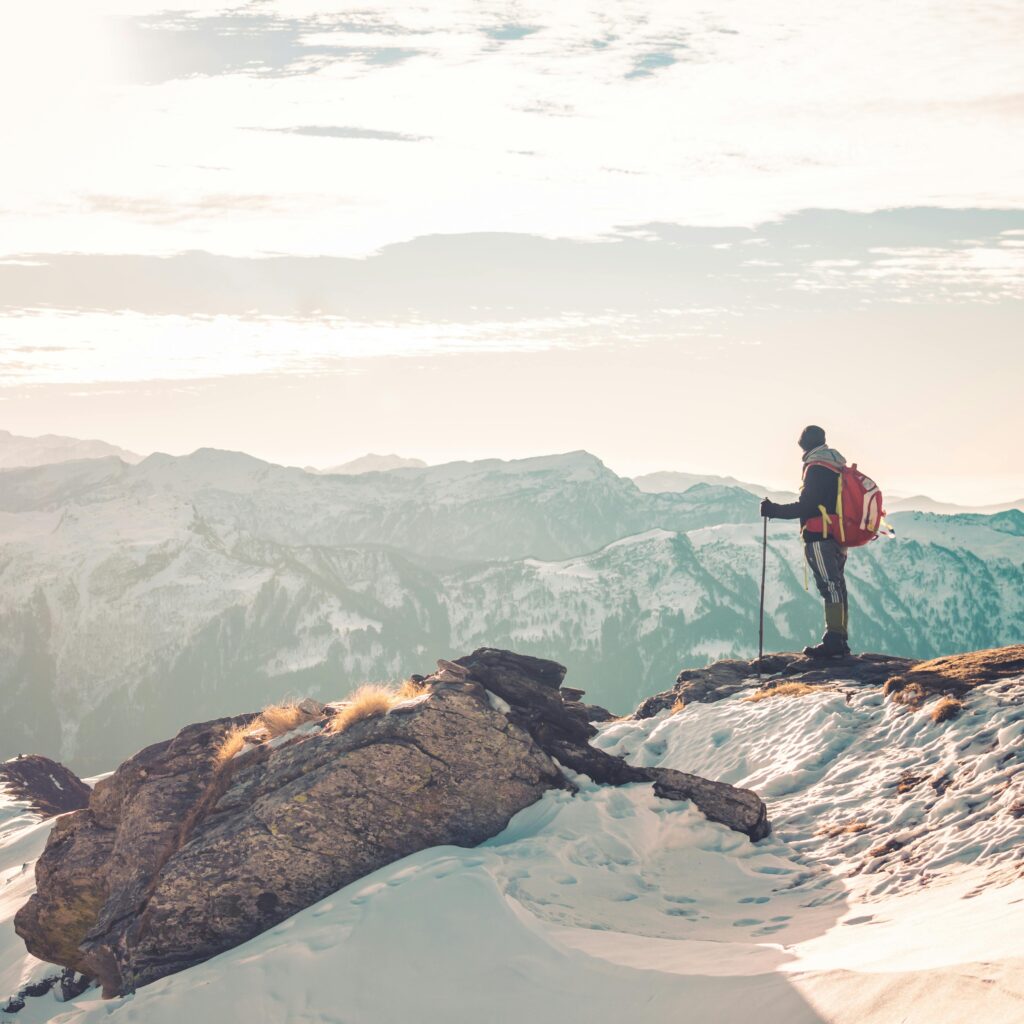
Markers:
point(669, 233)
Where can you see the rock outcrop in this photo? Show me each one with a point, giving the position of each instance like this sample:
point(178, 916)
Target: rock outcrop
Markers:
point(46, 786)
point(955, 675)
point(530, 687)
point(182, 853)
point(906, 680)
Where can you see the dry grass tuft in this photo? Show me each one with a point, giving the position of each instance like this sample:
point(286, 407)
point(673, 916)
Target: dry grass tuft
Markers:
point(678, 706)
point(274, 720)
point(884, 849)
point(946, 708)
point(368, 701)
point(409, 689)
point(851, 828)
point(234, 740)
point(783, 690)
point(909, 694)
point(281, 718)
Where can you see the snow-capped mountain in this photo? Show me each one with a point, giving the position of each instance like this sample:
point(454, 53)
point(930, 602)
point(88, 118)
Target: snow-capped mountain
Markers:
point(922, 503)
point(375, 464)
point(667, 480)
point(39, 451)
point(136, 598)
point(547, 507)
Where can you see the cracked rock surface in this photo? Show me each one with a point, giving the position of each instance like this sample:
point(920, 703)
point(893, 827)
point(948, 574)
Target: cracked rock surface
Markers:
point(180, 856)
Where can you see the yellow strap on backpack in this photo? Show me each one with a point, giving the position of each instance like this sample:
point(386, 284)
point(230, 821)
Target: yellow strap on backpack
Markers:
point(824, 522)
point(839, 510)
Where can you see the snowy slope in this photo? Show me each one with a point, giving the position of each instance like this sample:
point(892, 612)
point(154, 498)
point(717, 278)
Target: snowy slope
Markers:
point(22, 838)
point(612, 905)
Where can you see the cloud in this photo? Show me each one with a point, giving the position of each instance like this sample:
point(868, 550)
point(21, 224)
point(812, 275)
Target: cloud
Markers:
point(929, 255)
point(511, 31)
point(159, 210)
point(183, 44)
point(341, 132)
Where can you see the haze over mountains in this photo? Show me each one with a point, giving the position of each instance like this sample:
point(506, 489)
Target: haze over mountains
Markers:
point(16, 450)
point(135, 598)
point(19, 451)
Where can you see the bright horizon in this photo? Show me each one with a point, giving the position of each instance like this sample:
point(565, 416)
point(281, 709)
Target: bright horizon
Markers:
point(667, 235)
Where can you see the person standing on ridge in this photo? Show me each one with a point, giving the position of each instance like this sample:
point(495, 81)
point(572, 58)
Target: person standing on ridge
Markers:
point(824, 553)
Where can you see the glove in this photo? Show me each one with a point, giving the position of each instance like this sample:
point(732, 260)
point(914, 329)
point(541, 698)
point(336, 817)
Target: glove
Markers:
point(768, 509)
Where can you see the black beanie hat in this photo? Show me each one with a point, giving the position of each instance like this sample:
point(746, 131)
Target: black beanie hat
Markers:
point(812, 437)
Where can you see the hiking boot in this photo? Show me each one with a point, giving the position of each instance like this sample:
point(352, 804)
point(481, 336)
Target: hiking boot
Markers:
point(833, 645)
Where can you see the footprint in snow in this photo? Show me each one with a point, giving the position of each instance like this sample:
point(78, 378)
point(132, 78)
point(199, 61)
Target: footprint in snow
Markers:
point(678, 899)
point(753, 899)
point(680, 912)
point(769, 929)
point(566, 880)
point(364, 894)
point(326, 908)
point(747, 922)
point(621, 808)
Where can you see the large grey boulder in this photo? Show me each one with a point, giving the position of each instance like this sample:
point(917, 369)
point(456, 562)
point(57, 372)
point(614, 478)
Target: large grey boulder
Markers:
point(182, 854)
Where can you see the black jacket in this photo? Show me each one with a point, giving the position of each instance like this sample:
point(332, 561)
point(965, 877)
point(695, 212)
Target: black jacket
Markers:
point(821, 487)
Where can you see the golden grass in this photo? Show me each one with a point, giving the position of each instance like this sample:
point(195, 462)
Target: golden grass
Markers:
point(783, 690)
point(273, 720)
point(946, 708)
point(851, 828)
point(410, 689)
point(884, 849)
point(234, 740)
point(368, 701)
point(678, 706)
point(909, 694)
point(281, 718)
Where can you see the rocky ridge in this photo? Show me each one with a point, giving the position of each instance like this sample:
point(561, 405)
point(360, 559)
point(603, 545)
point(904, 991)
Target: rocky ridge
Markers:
point(909, 681)
point(182, 854)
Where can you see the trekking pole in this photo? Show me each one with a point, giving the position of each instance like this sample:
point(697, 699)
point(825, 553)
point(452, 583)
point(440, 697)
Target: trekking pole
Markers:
point(764, 566)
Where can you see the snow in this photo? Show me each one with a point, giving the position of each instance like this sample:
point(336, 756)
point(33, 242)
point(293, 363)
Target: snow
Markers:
point(612, 905)
point(22, 837)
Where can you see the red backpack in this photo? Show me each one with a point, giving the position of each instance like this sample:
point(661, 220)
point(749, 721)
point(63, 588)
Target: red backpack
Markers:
point(859, 510)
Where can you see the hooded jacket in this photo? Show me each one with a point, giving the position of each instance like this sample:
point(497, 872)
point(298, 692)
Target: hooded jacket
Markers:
point(820, 487)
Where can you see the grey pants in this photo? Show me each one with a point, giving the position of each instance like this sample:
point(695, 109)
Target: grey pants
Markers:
point(827, 559)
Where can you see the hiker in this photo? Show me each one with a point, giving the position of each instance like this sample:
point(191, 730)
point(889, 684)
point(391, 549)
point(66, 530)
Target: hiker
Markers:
point(816, 508)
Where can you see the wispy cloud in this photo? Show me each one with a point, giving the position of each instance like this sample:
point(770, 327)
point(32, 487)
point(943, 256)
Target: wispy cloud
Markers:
point(344, 132)
point(175, 45)
point(166, 210)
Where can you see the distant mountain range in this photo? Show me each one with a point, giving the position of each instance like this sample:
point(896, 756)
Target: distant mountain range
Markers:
point(17, 451)
point(40, 451)
point(672, 481)
point(374, 464)
point(654, 483)
point(135, 598)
